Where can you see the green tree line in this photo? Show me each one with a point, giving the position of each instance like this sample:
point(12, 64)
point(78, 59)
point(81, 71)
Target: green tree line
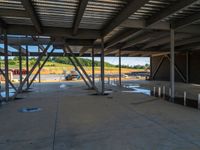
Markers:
point(83, 61)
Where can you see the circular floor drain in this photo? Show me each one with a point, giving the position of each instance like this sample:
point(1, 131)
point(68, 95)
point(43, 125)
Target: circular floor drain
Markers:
point(34, 109)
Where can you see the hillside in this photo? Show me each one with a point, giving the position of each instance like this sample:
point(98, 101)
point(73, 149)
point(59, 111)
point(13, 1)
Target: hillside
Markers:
point(57, 65)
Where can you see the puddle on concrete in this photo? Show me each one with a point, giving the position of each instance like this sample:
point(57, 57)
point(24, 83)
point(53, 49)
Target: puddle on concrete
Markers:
point(30, 110)
point(63, 86)
point(3, 94)
point(137, 89)
point(11, 94)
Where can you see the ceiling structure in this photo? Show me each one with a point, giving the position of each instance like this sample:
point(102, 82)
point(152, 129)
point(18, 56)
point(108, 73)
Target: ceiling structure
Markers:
point(137, 27)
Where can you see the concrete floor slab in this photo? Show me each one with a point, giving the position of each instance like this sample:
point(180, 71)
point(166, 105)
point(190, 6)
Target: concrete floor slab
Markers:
point(73, 119)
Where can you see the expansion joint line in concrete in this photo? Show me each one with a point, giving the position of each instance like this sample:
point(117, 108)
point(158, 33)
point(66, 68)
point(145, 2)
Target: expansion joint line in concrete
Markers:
point(55, 124)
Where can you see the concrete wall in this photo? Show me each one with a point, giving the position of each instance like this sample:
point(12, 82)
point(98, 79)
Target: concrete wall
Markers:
point(163, 72)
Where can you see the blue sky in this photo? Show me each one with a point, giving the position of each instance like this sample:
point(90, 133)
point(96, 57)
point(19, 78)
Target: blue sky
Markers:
point(131, 61)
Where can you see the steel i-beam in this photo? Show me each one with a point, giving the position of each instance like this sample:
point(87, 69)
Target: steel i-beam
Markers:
point(73, 63)
point(20, 66)
point(27, 67)
point(40, 68)
point(6, 66)
point(177, 70)
point(102, 67)
point(39, 75)
point(93, 71)
point(32, 69)
point(1, 71)
point(81, 67)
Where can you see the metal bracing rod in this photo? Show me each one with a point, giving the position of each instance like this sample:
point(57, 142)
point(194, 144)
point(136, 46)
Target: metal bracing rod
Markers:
point(78, 71)
point(172, 61)
point(158, 66)
point(1, 71)
point(177, 70)
point(40, 68)
point(76, 68)
point(6, 66)
point(32, 69)
point(20, 65)
point(93, 71)
point(81, 67)
point(39, 45)
point(27, 67)
point(120, 68)
point(102, 66)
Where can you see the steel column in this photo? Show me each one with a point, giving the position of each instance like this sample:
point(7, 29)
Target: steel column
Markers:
point(79, 64)
point(102, 66)
point(40, 68)
point(172, 62)
point(1, 71)
point(93, 73)
point(20, 66)
point(6, 66)
point(177, 70)
point(32, 69)
point(120, 68)
point(27, 67)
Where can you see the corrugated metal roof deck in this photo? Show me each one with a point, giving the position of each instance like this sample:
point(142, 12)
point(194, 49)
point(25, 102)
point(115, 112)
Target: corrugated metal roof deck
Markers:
point(97, 15)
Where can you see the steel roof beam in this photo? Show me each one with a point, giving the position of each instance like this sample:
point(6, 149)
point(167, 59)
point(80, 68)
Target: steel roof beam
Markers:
point(13, 13)
point(147, 37)
point(81, 8)
point(121, 37)
point(180, 23)
point(141, 24)
point(171, 9)
point(53, 31)
point(131, 7)
point(83, 50)
point(31, 12)
point(17, 48)
point(183, 42)
point(165, 40)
